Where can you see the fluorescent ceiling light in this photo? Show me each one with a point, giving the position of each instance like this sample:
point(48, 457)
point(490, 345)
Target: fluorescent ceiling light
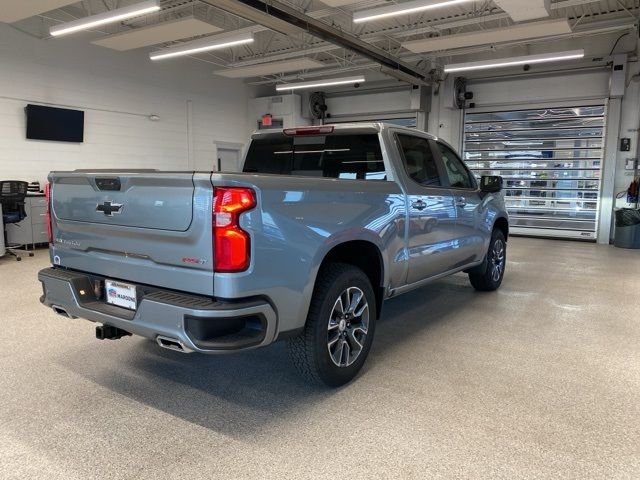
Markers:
point(214, 42)
point(320, 83)
point(513, 61)
point(402, 9)
point(523, 31)
point(270, 68)
point(106, 17)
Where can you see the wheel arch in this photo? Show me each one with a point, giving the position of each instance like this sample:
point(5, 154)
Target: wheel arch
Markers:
point(502, 224)
point(360, 253)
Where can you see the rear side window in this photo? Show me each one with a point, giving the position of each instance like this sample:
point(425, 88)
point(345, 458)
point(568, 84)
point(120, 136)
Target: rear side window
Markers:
point(356, 157)
point(419, 161)
point(458, 175)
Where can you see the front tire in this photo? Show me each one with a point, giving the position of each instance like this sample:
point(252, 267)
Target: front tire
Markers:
point(496, 261)
point(339, 330)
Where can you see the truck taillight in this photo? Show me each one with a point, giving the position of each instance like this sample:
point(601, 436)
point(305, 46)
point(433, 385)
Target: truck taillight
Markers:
point(231, 244)
point(47, 216)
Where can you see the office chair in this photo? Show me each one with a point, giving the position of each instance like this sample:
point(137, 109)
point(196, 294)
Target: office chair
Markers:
point(12, 198)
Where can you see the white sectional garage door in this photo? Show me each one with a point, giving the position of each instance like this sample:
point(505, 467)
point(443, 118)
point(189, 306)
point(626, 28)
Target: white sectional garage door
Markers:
point(550, 159)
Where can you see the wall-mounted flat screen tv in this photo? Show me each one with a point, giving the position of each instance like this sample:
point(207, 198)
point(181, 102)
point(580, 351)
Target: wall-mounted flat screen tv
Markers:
point(57, 124)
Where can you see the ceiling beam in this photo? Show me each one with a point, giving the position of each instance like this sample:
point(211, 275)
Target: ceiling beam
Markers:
point(256, 15)
point(595, 28)
point(399, 31)
point(277, 13)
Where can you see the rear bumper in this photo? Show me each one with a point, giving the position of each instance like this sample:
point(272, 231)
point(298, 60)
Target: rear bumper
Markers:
point(199, 324)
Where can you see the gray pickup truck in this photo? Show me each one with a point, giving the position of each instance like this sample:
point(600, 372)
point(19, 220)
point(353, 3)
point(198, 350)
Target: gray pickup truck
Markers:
point(322, 226)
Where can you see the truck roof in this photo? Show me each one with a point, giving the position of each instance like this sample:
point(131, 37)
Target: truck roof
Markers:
point(357, 127)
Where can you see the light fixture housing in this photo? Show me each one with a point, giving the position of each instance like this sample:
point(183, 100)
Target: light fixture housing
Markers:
point(212, 42)
point(524, 10)
point(148, 6)
point(270, 68)
point(514, 61)
point(320, 83)
point(404, 8)
point(167, 31)
point(519, 31)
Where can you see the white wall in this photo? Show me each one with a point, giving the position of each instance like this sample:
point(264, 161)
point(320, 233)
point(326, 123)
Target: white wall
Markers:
point(286, 107)
point(570, 85)
point(445, 121)
point(117, 91)
point(629, 127)
point(361, 103)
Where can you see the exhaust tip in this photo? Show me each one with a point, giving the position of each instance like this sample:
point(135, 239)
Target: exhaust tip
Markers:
point(61, 311)
point(172, 344)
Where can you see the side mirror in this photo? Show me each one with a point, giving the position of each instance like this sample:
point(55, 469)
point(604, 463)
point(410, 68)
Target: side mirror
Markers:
point(490, 183)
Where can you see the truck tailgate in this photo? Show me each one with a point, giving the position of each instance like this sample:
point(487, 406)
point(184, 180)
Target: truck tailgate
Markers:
point(142, 201)
point(148, 227)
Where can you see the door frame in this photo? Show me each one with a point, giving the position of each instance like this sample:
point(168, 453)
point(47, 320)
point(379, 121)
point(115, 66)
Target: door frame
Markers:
point(411, 188)
point(238, 147)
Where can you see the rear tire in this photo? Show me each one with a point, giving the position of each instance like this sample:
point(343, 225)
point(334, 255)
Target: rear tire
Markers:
point(339, 329)
point(496, 261)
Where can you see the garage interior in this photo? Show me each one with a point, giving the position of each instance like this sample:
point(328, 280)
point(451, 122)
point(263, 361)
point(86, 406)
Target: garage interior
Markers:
point(539, 379)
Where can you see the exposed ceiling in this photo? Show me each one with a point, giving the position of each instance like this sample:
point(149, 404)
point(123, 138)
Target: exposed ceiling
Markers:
point(420, 41)
point(162, 32)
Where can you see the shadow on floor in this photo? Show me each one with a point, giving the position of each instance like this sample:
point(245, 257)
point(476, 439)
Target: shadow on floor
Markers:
point(240, 394)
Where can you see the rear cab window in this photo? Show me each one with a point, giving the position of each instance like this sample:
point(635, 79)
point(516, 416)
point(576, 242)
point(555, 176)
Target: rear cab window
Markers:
point(343, 156)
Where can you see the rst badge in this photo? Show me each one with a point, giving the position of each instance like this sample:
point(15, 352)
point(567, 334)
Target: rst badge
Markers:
point(194, 261)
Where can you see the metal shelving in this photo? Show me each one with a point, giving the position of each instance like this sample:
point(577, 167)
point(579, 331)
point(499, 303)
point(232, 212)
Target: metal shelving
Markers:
point(551, 161)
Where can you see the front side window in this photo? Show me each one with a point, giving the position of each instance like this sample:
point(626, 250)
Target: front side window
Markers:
point(456, 172)
point(419, 161)
point(346, 156)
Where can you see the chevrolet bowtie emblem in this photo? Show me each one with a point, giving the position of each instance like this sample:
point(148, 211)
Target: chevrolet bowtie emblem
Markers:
point(109, 208)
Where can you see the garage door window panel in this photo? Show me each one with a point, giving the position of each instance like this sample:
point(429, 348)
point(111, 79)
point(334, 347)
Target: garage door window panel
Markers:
point(524, 145)
point(551, 161)
point(543, 115)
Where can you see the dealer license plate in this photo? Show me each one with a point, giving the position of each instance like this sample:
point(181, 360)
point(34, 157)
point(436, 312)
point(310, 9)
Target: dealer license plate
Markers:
point(120, 294)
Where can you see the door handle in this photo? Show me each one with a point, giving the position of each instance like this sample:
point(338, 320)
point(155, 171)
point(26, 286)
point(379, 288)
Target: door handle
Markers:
point(461, 202)
point(419, 205)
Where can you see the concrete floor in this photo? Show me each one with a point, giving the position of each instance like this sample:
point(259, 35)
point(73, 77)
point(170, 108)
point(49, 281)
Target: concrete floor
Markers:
point(538, 380)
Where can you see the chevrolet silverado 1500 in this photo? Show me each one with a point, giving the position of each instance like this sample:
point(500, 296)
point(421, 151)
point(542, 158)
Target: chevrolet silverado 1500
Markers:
point(323, 224)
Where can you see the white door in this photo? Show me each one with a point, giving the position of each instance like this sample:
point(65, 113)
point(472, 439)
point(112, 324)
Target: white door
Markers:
point(228, 160)
point(2, 249)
